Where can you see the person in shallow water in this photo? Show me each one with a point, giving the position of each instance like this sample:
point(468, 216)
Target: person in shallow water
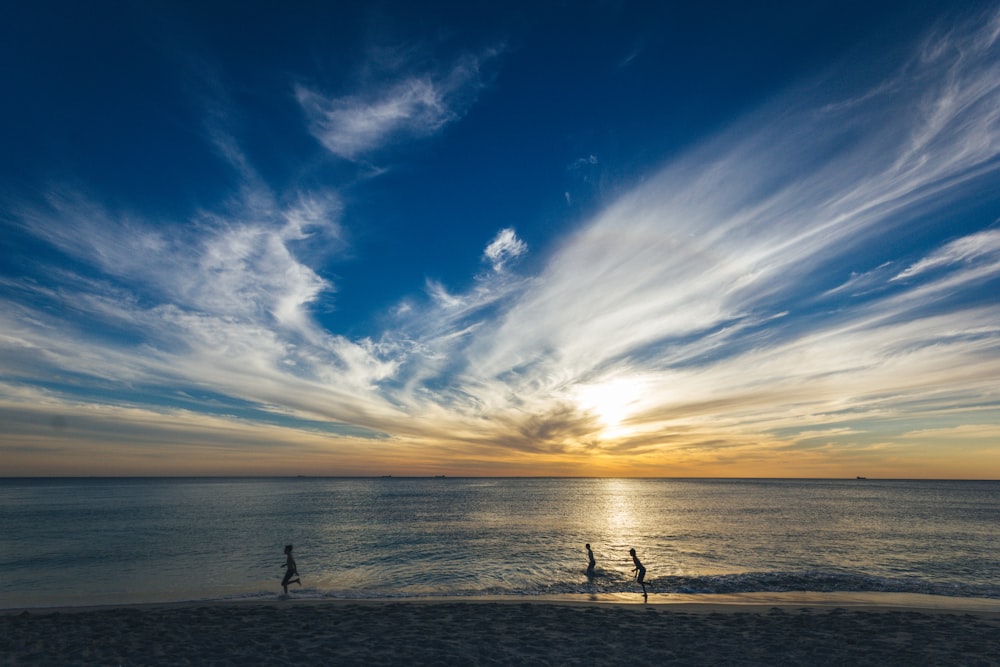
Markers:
point(291, 570)
point(592, 562)
point(640, 571)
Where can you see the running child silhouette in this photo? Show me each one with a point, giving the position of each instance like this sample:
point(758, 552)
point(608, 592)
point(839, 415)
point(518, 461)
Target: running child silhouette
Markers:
point(291, 570)
point(639, 570)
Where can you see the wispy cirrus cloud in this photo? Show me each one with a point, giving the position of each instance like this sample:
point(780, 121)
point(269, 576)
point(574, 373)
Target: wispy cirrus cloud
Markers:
point(719, 318)
point(504, 248)
point(410, 107)
point(704, 282)
point(239, 265)
point(981, 246)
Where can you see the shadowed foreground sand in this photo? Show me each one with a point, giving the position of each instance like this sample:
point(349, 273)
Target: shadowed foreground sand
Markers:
point(497, 633)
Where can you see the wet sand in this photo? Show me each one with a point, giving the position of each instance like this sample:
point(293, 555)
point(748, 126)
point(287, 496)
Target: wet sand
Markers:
point(740, 631)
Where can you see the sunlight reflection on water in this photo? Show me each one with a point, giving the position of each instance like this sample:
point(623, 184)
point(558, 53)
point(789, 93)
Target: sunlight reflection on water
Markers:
point(103, 540)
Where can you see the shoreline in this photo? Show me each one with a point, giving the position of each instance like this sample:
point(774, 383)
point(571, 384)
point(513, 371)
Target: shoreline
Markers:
point(740, 630)
point(694, 602)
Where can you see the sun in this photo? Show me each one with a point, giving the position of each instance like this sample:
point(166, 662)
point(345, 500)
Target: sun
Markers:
point(612, 401)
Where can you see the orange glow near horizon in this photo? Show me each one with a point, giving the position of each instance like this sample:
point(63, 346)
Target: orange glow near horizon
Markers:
point(316, 456)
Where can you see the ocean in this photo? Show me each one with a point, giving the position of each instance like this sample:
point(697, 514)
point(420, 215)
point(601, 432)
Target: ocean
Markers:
point(69, 542)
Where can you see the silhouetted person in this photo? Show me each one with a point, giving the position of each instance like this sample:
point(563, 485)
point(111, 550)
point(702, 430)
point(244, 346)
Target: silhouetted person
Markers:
point(639, 570)
point(291, 570)
point(590, 557)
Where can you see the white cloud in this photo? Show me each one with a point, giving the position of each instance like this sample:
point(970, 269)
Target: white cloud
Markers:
point(981, 245)
point(223, 265)
point(503, 248)
point(349, 127)
point(690, 301)
point(354, 126)
point(441, 297)
point(676, 278)
point(862, 283)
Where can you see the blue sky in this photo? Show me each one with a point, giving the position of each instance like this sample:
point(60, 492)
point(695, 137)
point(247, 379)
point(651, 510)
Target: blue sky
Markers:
point(566, 238)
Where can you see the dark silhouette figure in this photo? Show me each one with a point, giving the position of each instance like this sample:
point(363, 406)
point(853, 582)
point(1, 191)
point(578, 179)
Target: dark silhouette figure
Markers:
point(291, 570)
point(639, 570)
point(592, 562)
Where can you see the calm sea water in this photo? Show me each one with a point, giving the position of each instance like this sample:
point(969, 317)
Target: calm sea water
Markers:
point(97, 541)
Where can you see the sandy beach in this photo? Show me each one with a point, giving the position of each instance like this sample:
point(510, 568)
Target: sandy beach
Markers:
point(501, 632)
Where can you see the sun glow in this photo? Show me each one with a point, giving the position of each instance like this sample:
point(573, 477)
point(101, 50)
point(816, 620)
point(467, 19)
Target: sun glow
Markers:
point(612, 402)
